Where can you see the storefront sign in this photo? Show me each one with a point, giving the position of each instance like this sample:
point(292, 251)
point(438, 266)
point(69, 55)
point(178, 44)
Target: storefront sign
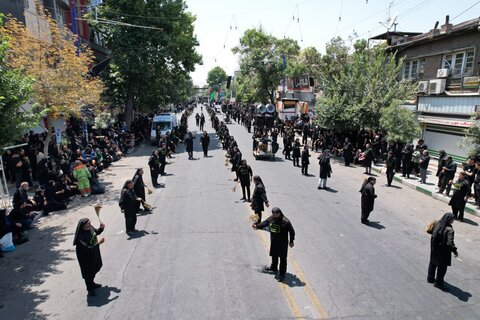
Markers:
point(447, 122)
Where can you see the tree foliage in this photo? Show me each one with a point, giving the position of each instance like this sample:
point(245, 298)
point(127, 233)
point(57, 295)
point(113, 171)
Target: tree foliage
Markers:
point(357, 88)
point(471, 142)
point(399, 123)
point(216, 77)
point(149, 66)
point(15, 90)
point(261, 60)
point(61, 85)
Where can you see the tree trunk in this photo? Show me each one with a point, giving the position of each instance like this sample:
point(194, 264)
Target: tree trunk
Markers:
point(129, 104)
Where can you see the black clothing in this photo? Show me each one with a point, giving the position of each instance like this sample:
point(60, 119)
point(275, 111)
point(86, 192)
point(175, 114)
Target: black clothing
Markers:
point(457, 202)
point(368, 200)
point(154, 165)
point(205, 142)
point(139, 187)
point(88, 252)
point(347, 153)
point(324, 162)
point(390, 162)
point(129, 204)
point(305, 161)
point(189, 146)
point(259, 197)
point(280, 229)
point(20, 196)
point(407, 162)
point(296, 153)
point(441, 247)
point(369, 157)
point(447, 174)
point(244, 173)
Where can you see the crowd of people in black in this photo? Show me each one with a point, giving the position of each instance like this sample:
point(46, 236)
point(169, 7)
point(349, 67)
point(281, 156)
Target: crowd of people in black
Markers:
point(45, 184)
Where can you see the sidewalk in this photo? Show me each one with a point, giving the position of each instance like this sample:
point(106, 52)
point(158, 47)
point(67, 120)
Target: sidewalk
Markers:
point(430, 188)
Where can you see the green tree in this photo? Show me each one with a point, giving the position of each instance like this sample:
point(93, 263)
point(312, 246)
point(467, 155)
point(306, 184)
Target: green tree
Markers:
point(150, 62)
point(15, 90)
point(471, 142)
point(261, 59)
point(358, 87)
point(216, 77)
point(309, 61)
point(62, 86)
point(399, 123)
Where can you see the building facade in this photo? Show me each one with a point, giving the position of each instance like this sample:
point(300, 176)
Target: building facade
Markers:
point(445, 64)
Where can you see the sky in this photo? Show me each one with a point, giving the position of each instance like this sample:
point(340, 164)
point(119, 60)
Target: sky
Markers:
point(220, 23)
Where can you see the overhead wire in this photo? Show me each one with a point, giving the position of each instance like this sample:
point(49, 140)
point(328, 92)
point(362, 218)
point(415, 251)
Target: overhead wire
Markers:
point(458, 15)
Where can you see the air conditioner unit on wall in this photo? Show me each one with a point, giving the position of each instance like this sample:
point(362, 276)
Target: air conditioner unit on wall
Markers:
point(422, 86)
point(437, 86)
point(443, 73)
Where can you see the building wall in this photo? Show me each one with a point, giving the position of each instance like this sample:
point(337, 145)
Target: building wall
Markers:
point(434, 51)
point(13, 7)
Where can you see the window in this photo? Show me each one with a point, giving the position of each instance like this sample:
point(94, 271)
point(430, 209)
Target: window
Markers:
point(459, 63)
point(414, 69)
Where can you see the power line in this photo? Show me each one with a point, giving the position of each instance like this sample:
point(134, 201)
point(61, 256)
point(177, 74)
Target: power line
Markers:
point(458, 15)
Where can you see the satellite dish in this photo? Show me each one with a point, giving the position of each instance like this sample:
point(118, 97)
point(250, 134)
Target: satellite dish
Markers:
point(392, 21)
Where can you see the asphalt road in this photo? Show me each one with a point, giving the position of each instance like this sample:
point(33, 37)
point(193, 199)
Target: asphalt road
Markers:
point(197, 256)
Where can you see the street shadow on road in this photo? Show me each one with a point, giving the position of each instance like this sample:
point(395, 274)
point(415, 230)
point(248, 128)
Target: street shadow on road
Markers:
point(137, 234)
point(103, 296)
point(24, 270)
point(457, 292)
point(470, 222)
point(376, 225)
point(395, 187)
point(310, 175)
point(328, 189)
point(292, 280)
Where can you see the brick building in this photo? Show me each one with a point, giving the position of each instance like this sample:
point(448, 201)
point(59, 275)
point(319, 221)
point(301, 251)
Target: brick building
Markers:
point(445, 63)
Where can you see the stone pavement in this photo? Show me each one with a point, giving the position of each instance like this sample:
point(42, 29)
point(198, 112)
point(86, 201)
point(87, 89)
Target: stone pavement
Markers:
point(430, 188)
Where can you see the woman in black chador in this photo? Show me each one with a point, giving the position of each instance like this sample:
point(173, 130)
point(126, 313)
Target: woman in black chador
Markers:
point(139, 187)
point(368, 198)
point(259, 197)
point(88, 252)
point(129, 205)
point(441, 247)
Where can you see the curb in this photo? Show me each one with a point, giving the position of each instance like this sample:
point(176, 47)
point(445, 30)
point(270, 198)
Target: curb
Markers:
point(468, 208)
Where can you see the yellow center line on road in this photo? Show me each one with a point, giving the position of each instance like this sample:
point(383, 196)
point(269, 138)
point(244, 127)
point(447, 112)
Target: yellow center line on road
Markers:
point(286, 290)
point(309, 290)
point(287, 294)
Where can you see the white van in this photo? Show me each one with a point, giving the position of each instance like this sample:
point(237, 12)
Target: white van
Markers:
point(165, 121)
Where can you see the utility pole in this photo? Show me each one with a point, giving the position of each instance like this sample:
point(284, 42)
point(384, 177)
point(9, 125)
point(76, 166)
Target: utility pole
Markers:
point(284, 80)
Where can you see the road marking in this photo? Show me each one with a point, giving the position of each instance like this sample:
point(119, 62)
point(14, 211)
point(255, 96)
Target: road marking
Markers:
point(322, 313)
point(287, 294)
point(286, 290)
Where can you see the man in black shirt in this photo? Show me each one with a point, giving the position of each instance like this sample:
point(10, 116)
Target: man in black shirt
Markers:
point(280, 228)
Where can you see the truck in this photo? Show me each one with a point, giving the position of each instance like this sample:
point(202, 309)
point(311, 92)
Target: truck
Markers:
point(164, 122)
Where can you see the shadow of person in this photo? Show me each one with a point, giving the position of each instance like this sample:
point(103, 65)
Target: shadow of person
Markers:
point(328, 189)
point(310, 175)
point(144, 212)
point(159, 186)
point(457, 292)
point(103, 296)
point(395, 187)
point(137, 234)
point(376, 225)
point(468, 221)
point(292, 280)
